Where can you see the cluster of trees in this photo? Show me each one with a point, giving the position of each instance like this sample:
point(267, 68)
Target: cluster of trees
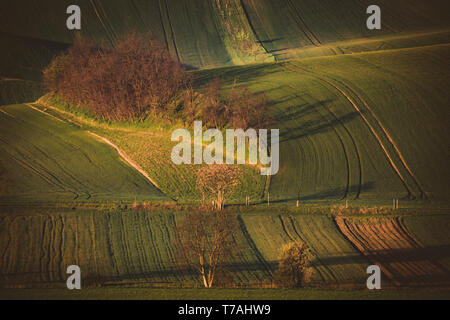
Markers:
point(135, 78)
point(138, 78)
point(240, 108)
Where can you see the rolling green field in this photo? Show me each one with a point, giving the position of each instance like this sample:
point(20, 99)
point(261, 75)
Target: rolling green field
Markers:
point(343, 126)
point(363, 119)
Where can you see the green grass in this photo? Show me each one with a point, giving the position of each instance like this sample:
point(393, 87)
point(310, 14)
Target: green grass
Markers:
point(359, 122)
point(51, 161)
point(342, 137)
point(222, 294)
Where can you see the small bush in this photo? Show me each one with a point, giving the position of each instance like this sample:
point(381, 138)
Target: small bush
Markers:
point(294, 266)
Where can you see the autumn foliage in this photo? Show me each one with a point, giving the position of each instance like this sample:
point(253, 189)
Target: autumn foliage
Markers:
point(135, 78)
point(138, 78)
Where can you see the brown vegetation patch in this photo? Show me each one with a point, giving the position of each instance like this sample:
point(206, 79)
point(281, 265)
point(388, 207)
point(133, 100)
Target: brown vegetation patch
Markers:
point(387, 243)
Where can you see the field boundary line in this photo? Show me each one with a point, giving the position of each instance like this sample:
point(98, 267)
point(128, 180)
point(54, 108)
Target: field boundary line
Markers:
point(43, 112)
point(9, 115)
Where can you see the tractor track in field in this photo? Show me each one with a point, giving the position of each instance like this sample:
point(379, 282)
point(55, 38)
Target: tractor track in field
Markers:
point(172, 33)
point(252, 27)
point(320, 263)
point(346, 155)
point(40, 172)
point(304, 27)
point(254, 247)
point(388, 136)
point(341, 142)
point(373, 131)
point(108, 32)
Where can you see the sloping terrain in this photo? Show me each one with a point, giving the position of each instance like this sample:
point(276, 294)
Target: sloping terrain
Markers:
point(432, 232)
point(208, 33)
point(48, 160)
point(360, 126)
point(363, 116)
point(115, 247)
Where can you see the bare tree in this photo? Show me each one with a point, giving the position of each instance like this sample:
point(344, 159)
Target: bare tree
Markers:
point(218, 180)
point(205, 242)
point(294, 265)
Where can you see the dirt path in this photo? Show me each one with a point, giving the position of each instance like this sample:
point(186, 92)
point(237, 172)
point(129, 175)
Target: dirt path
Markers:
point(126, 158)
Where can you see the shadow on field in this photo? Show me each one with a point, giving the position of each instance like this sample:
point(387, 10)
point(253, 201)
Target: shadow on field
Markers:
point(414, 266)
point(240, 73)
point(294, 113)
point(310, 127)
point(335, 193)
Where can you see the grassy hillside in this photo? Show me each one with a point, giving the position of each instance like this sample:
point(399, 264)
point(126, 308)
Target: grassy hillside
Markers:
point(49, 160)
point(149, 144)
point(342, 136)
point(363, 118)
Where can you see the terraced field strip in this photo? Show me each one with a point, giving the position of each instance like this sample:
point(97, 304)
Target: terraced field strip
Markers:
point(336, 261)
point(111, 247)
point(387, 243)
